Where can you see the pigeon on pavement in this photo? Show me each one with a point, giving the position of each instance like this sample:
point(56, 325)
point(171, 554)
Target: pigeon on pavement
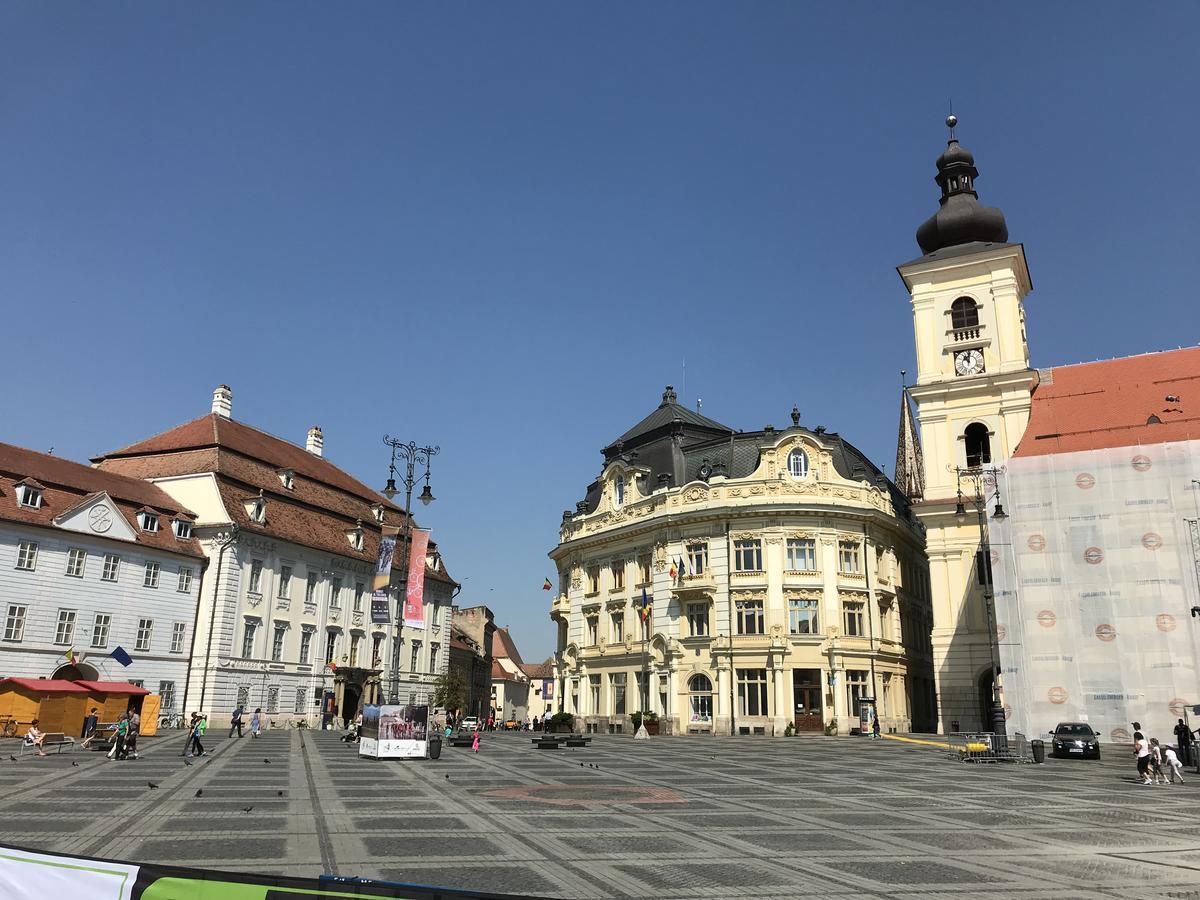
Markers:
point(199, 792)
point(247, 808)
point(153, 786)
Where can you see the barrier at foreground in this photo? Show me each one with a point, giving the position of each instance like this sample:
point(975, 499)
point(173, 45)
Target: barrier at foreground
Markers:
point(34, 875)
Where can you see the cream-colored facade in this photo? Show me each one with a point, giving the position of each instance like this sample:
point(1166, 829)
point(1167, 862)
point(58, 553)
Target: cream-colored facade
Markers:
point(973, 395)
point(800, 586)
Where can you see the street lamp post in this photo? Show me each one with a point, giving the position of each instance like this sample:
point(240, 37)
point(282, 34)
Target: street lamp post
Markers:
point(413, 456)
point(978, 480)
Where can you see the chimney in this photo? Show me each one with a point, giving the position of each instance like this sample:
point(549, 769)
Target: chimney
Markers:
point(223, 402)
point(316, 441)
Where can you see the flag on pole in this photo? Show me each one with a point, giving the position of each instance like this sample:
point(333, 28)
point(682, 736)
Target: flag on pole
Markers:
point(546, 585)
point(645, 605)
point(681, 567)
point(331, 665)
point(121, 656)
point(70, 656)
point(674, 571)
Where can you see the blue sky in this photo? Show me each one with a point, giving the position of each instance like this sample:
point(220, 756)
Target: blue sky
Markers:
point(502, 228)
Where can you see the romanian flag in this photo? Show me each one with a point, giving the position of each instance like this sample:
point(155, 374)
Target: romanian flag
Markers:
point(331, 665)
point(674, 572)
point(546, 585)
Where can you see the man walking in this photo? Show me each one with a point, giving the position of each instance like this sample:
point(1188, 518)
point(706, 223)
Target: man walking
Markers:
point(131, 734)
point(235, 723)
point(1183, 740)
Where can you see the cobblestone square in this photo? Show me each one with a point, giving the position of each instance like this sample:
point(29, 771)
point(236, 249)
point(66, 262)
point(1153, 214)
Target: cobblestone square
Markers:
point(669, 817)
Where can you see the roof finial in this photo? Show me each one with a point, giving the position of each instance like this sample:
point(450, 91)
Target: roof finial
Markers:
point(795, 416)
point(669, 396)
point(951, 121)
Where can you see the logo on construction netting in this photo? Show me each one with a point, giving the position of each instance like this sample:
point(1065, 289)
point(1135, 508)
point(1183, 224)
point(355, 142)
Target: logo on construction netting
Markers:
point(1085, 481)
point(1093, 556)
point(1106, 633)
point(1152, 540)
point(1046, 618)
point(1036, 543)
point(1001, 632)
point(1141, 462)
point(1057, 695)
point(1164, 622)
point(1177, 707)
point(1120, 735)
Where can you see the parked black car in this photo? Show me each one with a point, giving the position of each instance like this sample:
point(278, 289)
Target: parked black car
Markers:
point(1075, 739)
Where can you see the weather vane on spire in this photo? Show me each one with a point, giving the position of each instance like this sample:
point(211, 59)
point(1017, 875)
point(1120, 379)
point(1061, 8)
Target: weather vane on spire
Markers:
point(951, 120)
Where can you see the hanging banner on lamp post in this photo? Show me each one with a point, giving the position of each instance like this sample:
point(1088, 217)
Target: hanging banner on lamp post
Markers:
point(414, 607)
point(380, 601)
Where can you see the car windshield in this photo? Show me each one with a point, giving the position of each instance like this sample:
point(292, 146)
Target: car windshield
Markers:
point(1076, 730)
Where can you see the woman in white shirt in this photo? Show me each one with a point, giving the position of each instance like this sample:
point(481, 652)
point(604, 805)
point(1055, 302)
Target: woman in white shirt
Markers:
point(1141, 749)
point(34, 736)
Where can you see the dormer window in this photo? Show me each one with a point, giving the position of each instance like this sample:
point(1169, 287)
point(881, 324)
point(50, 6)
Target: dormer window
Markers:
point(29, 494)
point(377, 511)
point(148, 521)
point(798, 463)
point(182, 528)
point(355, 536)
point(256, 509)
point(287, 478)
point(619, 490)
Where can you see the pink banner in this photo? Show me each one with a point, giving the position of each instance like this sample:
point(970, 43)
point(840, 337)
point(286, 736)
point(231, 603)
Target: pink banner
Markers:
point(414, 607)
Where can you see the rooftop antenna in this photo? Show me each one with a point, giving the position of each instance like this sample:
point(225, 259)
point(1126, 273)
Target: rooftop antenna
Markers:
point(903, 372)
point(698, 401)
point(683, 388)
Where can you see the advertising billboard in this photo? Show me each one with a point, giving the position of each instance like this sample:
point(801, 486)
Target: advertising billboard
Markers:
point(394, 732)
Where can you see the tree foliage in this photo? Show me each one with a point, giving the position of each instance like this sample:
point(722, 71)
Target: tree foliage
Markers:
point(450, 689)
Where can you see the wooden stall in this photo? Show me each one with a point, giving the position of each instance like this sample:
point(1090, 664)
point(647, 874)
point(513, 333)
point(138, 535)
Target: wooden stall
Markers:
point(112, 698)
point(57, 705)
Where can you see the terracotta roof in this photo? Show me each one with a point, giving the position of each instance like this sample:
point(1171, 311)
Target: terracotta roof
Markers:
point(67, 484)
point(503, 647)
point(539, 670)
point(321, 506)
point(1114, 403)
point(499, 673)
point(112, 687)
point(45, 685)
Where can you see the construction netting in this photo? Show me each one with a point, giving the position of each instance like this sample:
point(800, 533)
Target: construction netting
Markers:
point(1095, 576)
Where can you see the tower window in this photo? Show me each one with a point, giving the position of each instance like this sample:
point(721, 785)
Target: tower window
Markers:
point(798, 463)
point(979, 447)
point(964, 313)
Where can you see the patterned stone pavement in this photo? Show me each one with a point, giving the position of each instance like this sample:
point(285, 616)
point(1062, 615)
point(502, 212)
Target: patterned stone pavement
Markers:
point(669, 817)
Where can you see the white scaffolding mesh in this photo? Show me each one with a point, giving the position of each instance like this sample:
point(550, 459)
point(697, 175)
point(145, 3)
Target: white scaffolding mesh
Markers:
point(1095, 572)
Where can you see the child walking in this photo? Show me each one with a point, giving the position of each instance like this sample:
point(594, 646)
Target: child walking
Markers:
point(475, 741)
point(1156, 763)
point(256, 722)
point(1173, 764)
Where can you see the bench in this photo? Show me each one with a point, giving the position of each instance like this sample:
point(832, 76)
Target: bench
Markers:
point(52, 739)
point(578, 741)
point(459, 741)
point(548, 745)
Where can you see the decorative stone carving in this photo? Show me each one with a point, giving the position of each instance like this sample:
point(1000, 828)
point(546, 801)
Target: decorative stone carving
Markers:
point(283, 603)
point(774, 539)
point(576, 577)
point(695, 494)
point(804, 594)
point(660, 556)
point(253, 600)
point(853, 596)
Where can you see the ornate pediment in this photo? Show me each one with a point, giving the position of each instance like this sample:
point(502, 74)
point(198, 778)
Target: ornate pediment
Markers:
point(97, 514)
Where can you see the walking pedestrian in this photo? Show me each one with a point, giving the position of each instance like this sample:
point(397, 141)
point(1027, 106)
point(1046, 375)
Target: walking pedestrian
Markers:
point(1172, 764)
point(1141, 750)
point(187, 743)
point(131, 734)
point(1156, 763)
point(235, 723)
point(875, 729)
point(117, 751)
point(197, 748)
point(256, 722)
point(475, 741)
point(1183, 740)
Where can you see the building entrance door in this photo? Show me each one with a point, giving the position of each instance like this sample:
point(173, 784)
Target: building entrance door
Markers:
point(806, 694)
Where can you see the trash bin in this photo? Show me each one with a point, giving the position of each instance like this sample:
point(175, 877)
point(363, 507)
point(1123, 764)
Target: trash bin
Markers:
point(435, 747)
point(1039, 751)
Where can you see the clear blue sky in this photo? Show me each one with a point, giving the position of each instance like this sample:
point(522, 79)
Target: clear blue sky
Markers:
point(502, 227)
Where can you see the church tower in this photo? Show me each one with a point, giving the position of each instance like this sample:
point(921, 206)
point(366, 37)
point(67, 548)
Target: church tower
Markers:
point(972, 394)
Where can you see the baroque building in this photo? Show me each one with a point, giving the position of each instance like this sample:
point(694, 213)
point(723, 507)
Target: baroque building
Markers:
point(91, 561)
point(739, 582)
point(284, 620)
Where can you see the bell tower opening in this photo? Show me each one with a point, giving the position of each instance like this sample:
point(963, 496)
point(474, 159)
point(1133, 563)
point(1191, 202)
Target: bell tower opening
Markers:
point(979, 445)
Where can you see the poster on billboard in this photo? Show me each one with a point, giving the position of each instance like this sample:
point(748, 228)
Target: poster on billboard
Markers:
point(394, 732)
point(383, 562)
point(414, 608)
point(381, 607)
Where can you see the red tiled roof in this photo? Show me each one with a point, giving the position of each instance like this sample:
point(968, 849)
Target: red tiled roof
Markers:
point(45, 685)
point(503, 647)
point(322, 505)
point(1096, 405)
point(112, 687)
point(539, 670)
point(67, 484)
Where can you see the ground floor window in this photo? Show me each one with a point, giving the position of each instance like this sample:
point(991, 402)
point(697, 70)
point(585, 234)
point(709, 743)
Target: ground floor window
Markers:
point(700, 699)
point(166, 690)
point(617, 683)
point(243, 696)
point(273, 699)
point(594, 690)
point(752, 692)
point(301, 694)
point(856, 689)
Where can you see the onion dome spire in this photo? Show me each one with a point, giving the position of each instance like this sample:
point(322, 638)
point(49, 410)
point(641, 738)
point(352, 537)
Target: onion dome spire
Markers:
point(961, 218)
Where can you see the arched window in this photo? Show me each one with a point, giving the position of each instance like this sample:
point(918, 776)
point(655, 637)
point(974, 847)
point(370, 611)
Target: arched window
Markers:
point(964, 313)
point(979, 446)
point(619, 490)
point(700, 699)
point(798, 463)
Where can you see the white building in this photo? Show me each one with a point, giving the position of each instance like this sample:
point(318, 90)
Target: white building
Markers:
point(285, 614)
point(91, 561)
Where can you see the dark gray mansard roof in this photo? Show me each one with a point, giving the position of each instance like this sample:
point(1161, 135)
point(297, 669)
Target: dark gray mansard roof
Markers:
point(677, 442)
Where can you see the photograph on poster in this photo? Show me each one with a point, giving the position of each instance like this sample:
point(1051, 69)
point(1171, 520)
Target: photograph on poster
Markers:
point(394, 732)
point(368, 734)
